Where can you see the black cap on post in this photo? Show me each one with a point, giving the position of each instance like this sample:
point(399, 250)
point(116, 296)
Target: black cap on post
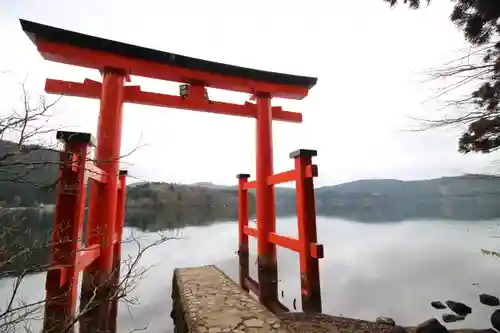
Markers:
point(243, 176)
point(66, 137)
point(303, 152)
point(123, 172)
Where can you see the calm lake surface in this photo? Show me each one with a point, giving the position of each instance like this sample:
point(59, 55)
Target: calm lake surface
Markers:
point(369, 270)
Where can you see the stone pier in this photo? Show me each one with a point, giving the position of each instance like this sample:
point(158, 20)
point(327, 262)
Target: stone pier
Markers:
point(206, 300)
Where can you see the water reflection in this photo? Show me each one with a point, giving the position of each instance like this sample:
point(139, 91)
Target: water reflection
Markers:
point(175, 216)
point(369, 269)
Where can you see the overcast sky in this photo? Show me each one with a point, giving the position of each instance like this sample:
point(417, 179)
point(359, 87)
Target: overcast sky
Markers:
point(370, 61)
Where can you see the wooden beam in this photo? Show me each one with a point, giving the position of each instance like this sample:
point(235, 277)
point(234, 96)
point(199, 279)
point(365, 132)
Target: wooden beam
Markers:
point(76, 56)
point(134, 94)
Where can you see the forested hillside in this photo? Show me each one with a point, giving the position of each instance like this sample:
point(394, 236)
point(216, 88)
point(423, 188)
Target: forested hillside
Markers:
point(468, 197)
point(27, 174)
point(28, 177)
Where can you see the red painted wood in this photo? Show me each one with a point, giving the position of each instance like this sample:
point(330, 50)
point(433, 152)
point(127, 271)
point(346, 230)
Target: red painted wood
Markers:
point(306, 218)
point(282, 177)
point(243, 251)
point(266, 220)
point(71, 55)
point(117, 247)
point(62, 277)
point(134, 94)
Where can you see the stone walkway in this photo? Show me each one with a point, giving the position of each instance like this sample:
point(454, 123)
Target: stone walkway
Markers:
point(213, 303)
point(207, 301)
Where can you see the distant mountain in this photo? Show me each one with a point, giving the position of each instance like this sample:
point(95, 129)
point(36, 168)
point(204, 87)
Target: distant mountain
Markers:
point(137, 184)
point(285, 196)
point(27, 174)
point(468, 197)
point(211, 185)
point(163, 194)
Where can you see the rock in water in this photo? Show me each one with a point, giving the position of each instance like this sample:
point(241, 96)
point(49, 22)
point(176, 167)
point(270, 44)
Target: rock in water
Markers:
point(438, 305)
point(385, 320)
point(489, 300)
point(459, 308)
point(398, 329)
point(451, 318)
point(431, 326)
point(495, 320)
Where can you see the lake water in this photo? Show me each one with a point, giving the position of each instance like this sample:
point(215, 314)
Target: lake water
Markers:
point(369, 269)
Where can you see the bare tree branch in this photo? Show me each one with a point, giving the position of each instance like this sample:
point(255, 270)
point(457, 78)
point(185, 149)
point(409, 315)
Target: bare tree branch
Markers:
point(23, 163)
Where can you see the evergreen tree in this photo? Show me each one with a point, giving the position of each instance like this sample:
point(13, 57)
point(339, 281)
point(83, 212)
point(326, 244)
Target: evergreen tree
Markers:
point(479, 20)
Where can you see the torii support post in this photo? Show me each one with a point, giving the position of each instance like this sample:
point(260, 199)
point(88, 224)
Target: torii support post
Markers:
point(103, 205)
point(266, 220)
point(68, 257)
point(306, 218)
point(62, 276)
point(310, 251)
point(243, 251)
point(117, 248)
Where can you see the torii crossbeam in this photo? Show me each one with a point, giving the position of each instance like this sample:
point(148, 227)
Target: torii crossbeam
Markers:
point(117, 62)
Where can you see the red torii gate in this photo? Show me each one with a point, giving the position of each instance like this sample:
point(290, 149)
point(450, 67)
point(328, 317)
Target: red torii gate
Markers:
point(117, 62)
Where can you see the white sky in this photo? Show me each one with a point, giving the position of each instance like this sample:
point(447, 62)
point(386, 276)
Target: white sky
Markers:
point(369, 60)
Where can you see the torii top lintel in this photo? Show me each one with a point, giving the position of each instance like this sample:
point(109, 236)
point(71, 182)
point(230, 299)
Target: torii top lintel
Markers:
point(78, 49)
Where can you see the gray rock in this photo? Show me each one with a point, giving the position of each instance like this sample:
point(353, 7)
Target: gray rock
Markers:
point(438, 305)
point(385, 320)
point(495, 320)
point(398, 329)
point(489, 330)
point(489, 300)
point(253, 322)
point(431, 326)
point(451, 318)
point(459, 308)
point(214, 330)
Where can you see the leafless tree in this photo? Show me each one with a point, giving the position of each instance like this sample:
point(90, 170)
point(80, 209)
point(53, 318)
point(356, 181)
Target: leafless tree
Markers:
point(24, 163)
point(477, 73)
point(20, 153)
point(17, 313)
point(457, 78)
